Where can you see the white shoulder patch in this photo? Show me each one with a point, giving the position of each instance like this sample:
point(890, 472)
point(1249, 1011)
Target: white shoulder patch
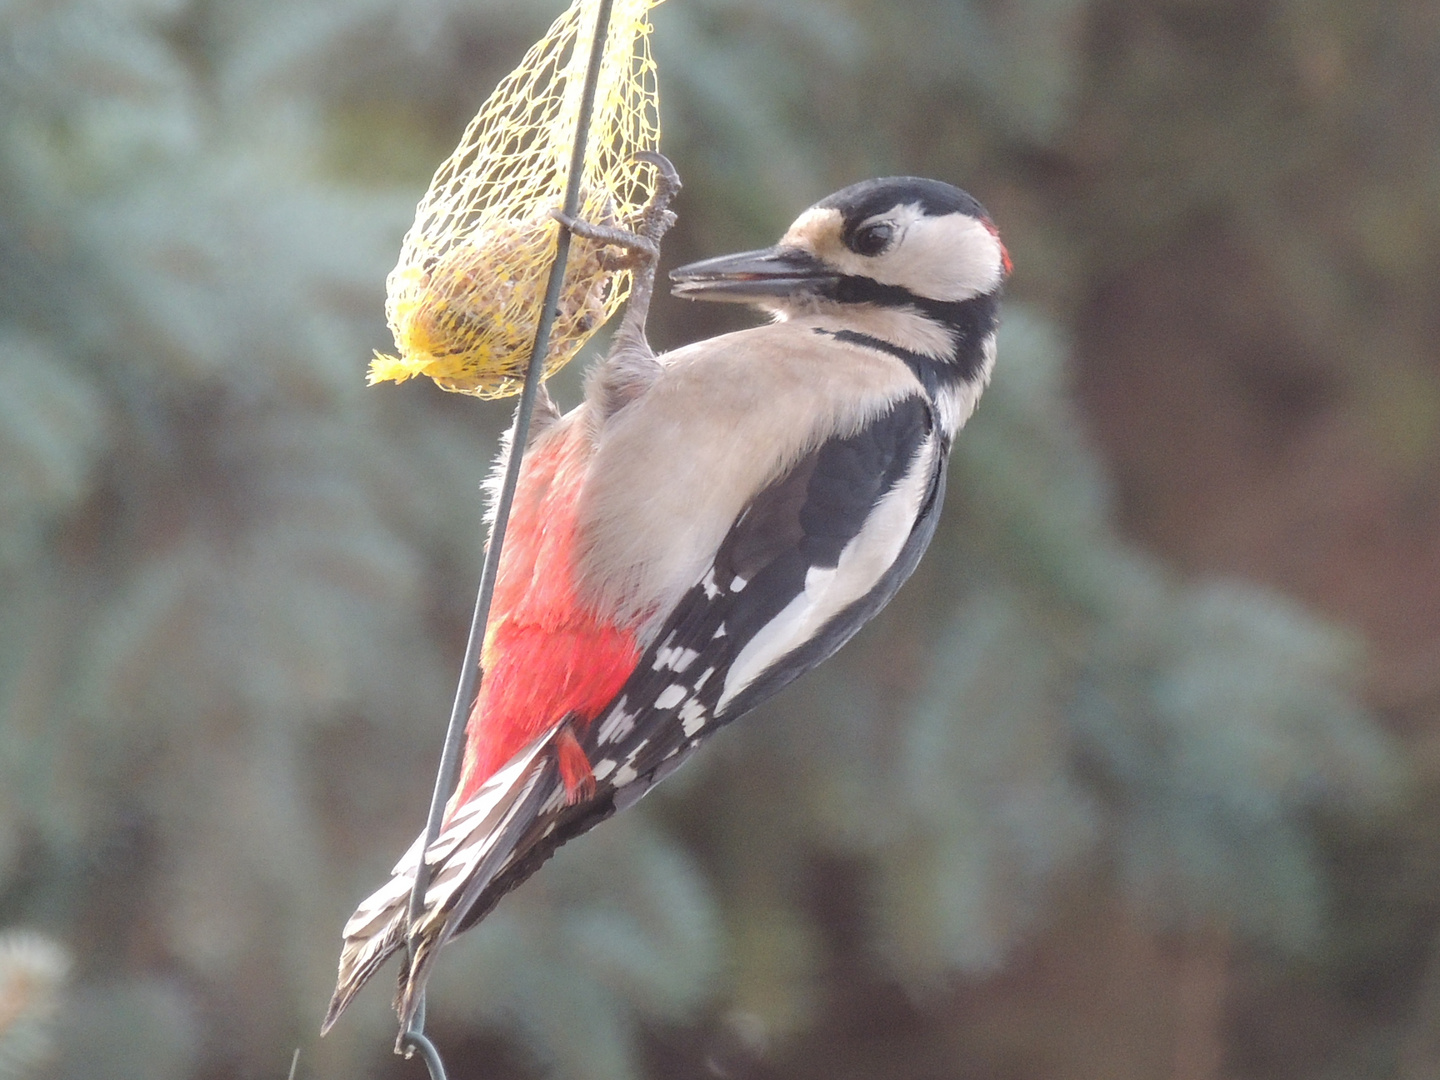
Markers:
point(829, 590)
point(956, 404)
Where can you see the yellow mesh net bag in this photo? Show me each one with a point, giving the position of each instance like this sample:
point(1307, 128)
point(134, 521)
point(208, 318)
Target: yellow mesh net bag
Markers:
point(464, 300)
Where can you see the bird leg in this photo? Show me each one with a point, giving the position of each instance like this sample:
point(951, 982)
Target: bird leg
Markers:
point(641, 249)
point(630, 367)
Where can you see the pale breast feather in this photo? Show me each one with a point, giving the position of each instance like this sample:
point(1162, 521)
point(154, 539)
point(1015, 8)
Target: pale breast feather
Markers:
point(726, 418)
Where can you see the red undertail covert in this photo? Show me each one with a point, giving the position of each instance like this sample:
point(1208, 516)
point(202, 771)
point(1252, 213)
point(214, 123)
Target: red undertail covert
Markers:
point(547, 656)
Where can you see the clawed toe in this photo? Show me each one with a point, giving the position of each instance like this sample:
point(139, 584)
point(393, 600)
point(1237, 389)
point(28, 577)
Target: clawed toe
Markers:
point(638, 246)
point(641, 247)
point(668, 181)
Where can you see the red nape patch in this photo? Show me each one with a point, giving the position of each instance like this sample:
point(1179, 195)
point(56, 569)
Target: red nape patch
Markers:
point(1004, 251)
point(548, 657)
point(575, 769)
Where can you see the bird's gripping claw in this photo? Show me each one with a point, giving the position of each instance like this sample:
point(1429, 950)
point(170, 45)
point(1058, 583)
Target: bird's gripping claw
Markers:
point(641, 248)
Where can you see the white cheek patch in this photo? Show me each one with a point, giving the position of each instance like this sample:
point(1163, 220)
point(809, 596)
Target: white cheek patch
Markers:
point(948, 258)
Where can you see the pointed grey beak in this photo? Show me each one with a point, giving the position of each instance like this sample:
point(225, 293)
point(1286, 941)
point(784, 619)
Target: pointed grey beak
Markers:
point(752, 276)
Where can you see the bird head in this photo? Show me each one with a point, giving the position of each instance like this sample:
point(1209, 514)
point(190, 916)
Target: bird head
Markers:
point(899, 241)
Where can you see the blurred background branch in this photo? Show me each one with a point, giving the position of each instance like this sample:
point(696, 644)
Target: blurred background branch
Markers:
point(1138, 778)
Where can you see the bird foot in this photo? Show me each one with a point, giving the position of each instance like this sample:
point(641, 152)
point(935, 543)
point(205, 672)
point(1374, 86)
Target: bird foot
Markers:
point(630, 367)
point(657, 217)
point(641, 247)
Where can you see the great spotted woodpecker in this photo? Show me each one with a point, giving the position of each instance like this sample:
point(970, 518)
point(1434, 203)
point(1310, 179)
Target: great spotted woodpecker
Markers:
point(706, 526)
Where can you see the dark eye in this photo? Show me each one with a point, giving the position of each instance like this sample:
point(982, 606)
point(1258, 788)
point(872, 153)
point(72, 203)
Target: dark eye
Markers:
point(872, 239)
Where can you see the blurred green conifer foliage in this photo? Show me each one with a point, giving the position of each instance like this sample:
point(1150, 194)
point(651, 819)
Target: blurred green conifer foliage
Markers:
point(233, 581)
